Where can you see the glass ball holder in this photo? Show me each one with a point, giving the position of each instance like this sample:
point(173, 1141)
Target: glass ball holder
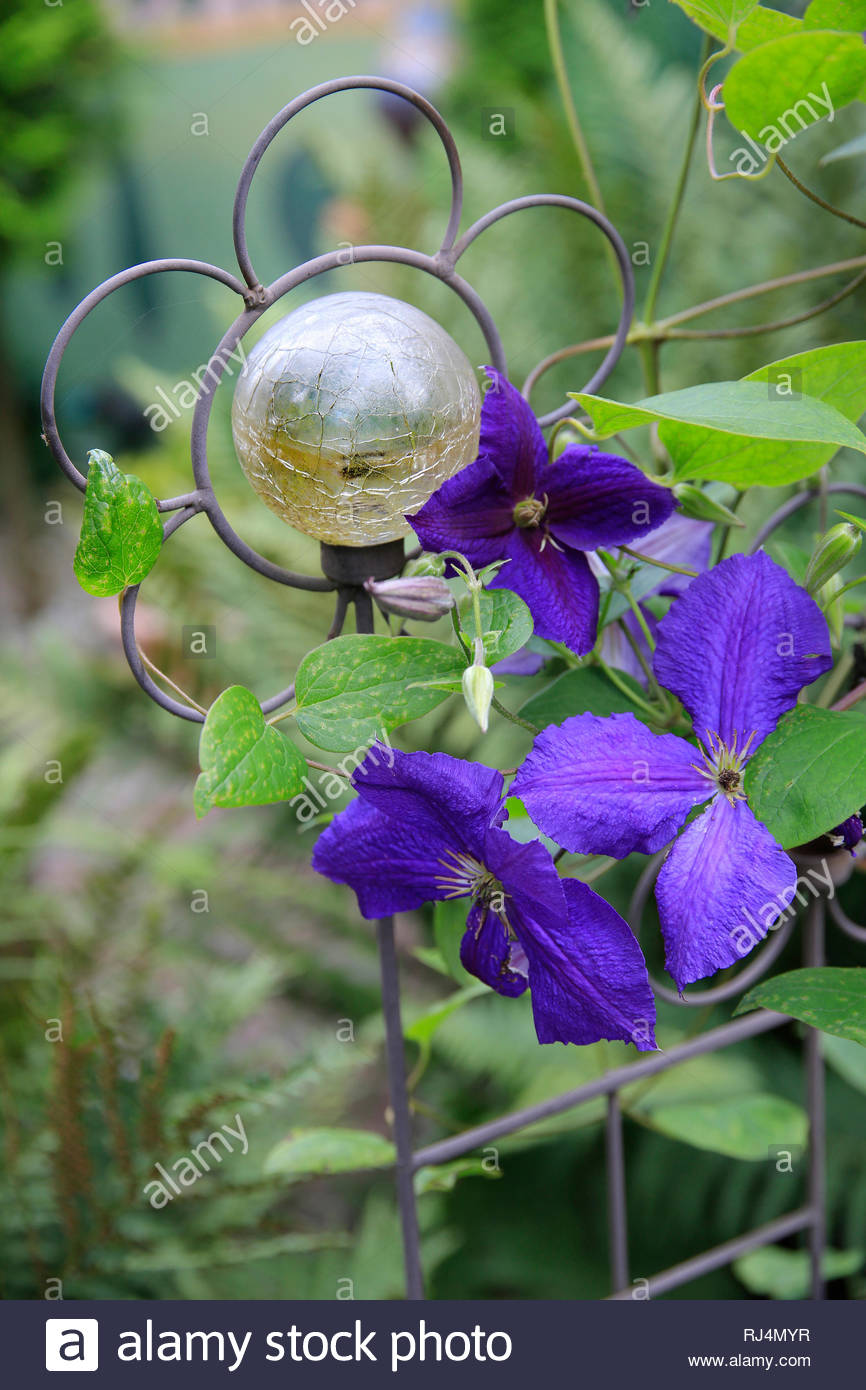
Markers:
point(345, 565)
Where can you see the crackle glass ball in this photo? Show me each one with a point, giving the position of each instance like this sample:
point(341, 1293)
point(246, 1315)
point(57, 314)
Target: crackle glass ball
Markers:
point(350, 412)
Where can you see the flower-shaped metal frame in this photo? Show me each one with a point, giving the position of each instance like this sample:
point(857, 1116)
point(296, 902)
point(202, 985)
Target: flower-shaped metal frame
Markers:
point(360, 562)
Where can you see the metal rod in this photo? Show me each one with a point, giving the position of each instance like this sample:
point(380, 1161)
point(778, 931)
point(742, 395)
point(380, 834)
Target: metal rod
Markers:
point(396, 1059)
point(813, 955)
point(763, 1021)
point(617, 1218)
point(364, 617)
point(718, 1257)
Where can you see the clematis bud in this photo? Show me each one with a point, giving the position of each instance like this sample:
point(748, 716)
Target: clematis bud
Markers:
point(696, 503)
point(478, 693)
point(831, 554)
point(417, 596)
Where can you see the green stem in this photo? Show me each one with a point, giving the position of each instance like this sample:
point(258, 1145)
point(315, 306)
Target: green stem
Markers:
point(834, 681)
point(816, 197)
point(659, 564)
point(554, 39)
point(799, 277)
point(624, 689)
point(515, 718)
point(852, 698)
point(641, 655)
point(155, 671)
point(677, 203)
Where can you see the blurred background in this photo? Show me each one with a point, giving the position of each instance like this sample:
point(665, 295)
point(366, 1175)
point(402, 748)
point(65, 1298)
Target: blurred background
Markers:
point(160, 975)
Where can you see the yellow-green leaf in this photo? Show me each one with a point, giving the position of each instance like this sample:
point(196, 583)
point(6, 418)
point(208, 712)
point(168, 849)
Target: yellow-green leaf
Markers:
point(244, 762)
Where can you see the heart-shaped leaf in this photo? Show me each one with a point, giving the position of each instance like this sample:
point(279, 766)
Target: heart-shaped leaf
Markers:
point(121, 533)
point(357, 687)
point(244, 762)
point(809, 774)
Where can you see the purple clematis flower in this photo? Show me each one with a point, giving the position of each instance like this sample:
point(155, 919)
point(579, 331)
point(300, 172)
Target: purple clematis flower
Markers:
point(736, 648)
point(427, 826)
point(511, 504)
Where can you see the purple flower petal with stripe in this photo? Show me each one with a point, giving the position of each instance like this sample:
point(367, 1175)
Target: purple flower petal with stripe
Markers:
point(739, 645)
point(428, 826)
point(511, 504)
point(736, 647)
point(610, 786)
point(722, 887)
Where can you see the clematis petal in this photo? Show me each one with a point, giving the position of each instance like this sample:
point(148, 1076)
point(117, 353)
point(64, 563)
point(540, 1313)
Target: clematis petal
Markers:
point(511, 438)
point(587, 974)
point(597, 499)
point(472, 512)
point(557, 586)
point(487, 951)
point(609, 786)
point(738, 646)
point(452, 801)
point(724, 884)
point(392, 866)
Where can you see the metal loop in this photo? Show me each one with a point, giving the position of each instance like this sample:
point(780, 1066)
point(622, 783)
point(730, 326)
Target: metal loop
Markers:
point(341, 84)
point(717, 994)
point(133, 655)
point(841, 918)
point(79, 314)
point(623, 260)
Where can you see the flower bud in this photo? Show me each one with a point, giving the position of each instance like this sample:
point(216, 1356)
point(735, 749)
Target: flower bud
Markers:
point(831, 554)
point(478, 693)
point(417, 596)
point(424, 565)
point(696, 503)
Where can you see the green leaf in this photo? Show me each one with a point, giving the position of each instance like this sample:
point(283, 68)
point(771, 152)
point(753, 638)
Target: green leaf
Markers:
point(121, 533)
point(809, 774)
point(357, 687)
point(849, 150)
point(855, 520)
point(244, 762)
point(506, 623)
point(309, 1152)
point(579, 692)
point(730, 407)
point(422, 1029)
point(758, 25)
point(779, 1273)
point(836, 14)
point(779, 88)
point(829, 997)
point(720, 18)
point(835, 375)
point(445, 1176)
point(744, 1127)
